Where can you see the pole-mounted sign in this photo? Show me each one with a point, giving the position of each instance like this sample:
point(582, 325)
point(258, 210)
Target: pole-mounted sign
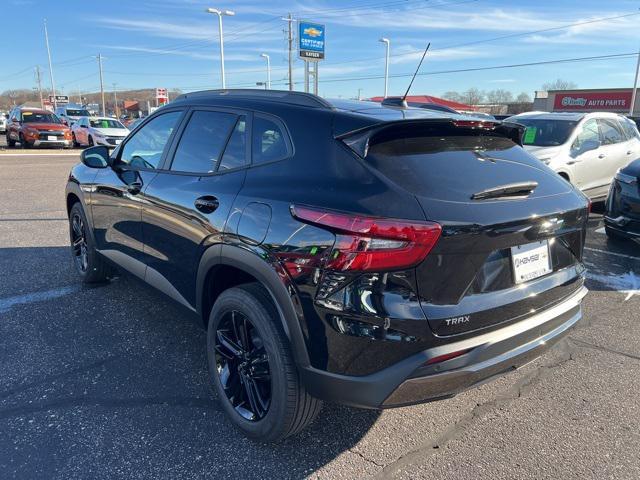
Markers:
point(310, 41)
point(59, 99)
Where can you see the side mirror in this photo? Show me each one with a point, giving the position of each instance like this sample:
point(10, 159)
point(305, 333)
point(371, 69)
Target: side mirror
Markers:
point(15, 120)
point(96, 157)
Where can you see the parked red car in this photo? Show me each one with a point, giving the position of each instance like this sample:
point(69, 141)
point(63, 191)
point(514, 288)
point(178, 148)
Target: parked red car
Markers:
point(35, 128)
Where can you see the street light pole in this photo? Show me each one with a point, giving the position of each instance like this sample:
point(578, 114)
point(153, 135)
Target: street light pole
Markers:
point(104, 113)
point(635, 87)
point(264, 55)
point(220, 13)
point(386, 65)
point(115, 101)
point(53, 85)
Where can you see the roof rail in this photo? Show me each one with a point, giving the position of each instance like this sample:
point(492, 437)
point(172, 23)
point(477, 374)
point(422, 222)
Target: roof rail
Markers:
point(295, 98)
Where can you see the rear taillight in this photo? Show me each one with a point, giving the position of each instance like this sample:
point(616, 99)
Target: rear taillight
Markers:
point(367, 243)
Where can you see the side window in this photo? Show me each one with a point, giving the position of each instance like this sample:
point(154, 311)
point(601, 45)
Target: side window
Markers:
point(588, 132)
point(630, 129)
point(269, 141)
point(610, 132)
point(202, 142)
point(235, 155)
point(144, 149)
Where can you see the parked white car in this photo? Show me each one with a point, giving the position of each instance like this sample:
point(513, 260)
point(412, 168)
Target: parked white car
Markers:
point(587, 149)
point(98, 131)
point(3, 123)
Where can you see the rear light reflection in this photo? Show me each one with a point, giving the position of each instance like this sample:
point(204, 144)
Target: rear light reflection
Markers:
point(366, 243)
point(446, 356)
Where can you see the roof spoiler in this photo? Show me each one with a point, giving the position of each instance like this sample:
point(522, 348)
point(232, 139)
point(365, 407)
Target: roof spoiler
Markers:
point(358, 140)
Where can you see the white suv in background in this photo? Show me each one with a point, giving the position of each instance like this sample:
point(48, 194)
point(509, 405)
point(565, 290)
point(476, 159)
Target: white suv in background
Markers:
point(587, 149)
point(98, 131)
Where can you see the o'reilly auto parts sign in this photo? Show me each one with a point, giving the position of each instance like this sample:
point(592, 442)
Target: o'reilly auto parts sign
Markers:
point(592, 101)
point(311, 41)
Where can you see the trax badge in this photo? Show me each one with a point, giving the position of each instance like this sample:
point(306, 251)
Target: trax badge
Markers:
point(457, 320)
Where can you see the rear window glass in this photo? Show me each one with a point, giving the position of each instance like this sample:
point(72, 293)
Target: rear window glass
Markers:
point(449, 163)
point(546, 133)
point(270, 141)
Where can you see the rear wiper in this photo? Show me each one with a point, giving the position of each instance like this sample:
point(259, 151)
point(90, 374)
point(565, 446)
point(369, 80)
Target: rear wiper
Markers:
point(521, 189)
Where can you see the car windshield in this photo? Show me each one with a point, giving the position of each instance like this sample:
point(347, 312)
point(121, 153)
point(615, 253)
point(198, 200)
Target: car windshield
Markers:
point(77, 113)
point(106, 123)
point(39, 117)
point(546, 133)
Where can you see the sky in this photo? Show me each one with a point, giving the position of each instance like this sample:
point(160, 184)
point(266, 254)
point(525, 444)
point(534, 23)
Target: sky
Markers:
point(175, 44)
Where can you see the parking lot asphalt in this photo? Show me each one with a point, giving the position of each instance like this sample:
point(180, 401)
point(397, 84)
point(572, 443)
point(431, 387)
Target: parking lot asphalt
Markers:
point(111, 381)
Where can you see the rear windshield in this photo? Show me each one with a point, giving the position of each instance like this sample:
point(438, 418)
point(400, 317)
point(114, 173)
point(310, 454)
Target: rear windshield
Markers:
point(448, 163)
point(37, 117)
point(546, 133)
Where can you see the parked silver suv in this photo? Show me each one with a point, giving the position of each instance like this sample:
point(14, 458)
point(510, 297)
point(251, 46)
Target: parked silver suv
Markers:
point(587, 149)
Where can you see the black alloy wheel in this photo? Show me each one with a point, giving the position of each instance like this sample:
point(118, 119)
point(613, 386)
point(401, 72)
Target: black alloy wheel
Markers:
point(243, 366)
point(79, 243)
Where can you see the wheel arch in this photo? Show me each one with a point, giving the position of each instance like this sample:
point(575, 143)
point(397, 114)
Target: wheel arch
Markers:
point(221, 261)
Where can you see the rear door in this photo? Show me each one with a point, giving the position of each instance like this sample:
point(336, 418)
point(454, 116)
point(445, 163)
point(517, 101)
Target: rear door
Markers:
point(186, 205)
point(116, 199)
point(612, 154)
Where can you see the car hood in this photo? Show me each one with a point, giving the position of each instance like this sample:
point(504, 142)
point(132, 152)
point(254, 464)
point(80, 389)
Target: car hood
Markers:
point(112, 132)
point(633, 169)
point(543, 152)
point(46, 126)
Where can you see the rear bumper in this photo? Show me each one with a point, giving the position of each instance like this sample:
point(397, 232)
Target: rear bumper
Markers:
point(488, 355)
point(623, 226)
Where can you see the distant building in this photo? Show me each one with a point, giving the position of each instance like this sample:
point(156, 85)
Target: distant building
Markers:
point(461, 107)
point(589, 100)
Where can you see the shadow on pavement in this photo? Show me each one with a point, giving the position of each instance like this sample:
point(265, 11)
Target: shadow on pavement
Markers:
point(111, 382)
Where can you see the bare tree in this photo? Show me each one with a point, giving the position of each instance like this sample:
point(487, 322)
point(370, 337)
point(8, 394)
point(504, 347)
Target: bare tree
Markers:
point(559, 84)
point(523, 98)
point(452, 95)
point(499, 96)
point(473, 96)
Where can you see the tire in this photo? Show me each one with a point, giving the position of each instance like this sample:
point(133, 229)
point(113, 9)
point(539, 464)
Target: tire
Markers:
point(91, 144)
point(24, 143)
point(74, 140)
point(88, 263)
point(289, 407)
point(10, 142)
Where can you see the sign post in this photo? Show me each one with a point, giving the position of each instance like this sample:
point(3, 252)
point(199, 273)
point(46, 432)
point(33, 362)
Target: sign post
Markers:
point(311, 50)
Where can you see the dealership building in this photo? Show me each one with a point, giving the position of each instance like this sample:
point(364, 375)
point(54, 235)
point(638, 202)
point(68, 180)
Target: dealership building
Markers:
point(596, 100)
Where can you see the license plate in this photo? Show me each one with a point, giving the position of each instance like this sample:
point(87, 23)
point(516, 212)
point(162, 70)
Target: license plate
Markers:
point(118, 142)
point(530, 261)
point(52, 138)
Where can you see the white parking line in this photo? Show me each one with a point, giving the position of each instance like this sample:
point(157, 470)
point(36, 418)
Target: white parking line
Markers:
point(7, 303)
point(621, 255)
point(38, 154)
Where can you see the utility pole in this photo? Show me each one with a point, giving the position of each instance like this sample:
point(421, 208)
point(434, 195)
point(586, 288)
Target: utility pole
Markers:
point(104, 113)
point(115, 100)
point(39, 81)
point(635, 87)
point(289, 19)
point(359, 94)
point(53, 85)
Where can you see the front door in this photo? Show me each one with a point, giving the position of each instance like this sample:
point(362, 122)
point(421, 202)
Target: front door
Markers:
point(116, 199)
point(187, 204)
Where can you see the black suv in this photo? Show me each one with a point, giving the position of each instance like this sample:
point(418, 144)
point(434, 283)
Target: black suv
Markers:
point(362, 253)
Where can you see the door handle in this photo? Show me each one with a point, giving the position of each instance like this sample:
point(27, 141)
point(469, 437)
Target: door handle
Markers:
point(207, 204)
point(134, 188)
point(629, 152)
point(601, 156)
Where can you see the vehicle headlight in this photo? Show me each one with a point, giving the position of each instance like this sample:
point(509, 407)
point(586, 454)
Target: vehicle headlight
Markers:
point(624, 178)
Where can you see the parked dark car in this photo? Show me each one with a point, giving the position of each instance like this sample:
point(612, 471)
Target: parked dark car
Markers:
point(371, 255)
point(622, 208)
